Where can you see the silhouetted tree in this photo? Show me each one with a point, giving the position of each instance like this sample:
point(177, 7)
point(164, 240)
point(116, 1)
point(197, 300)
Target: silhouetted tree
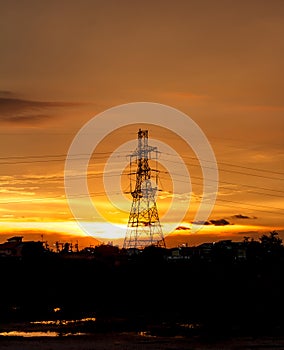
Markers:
point(271, 241)
point(271, 245)
point(66, 248)
point(246, 239)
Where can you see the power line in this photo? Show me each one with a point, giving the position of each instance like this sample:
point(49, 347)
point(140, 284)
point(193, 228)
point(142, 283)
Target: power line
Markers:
point(115, 192)
point(54, 178)
point(172, 161)
point(249, 209)
point(114, 174)
point(254, 205)
point(254, 192)
point(230, 164)
point(63, 156)
point(247, 204)
point(103, 193)
point(229, 171)
point(63, 197)
point(36, 160)
point(271, 178)
point(228, 183)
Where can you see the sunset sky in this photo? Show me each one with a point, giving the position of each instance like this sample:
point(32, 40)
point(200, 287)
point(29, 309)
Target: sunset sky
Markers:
point(219, 62)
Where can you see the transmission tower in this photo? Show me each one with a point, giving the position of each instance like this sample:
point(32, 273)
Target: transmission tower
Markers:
point(144, 226)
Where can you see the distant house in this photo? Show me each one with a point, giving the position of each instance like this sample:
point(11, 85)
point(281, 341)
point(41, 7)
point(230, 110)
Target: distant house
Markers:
point(175, 253)
point(240, 251)
point(234, 251)
point(181, 253)
point(205, 250)
point(133, 251)
point(15, 247)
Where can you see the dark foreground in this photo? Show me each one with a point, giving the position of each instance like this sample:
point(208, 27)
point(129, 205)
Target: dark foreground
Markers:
point(134, 341)
point(145, 301)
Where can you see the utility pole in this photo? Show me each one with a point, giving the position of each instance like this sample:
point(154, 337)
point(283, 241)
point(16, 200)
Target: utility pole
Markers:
point(144, 226)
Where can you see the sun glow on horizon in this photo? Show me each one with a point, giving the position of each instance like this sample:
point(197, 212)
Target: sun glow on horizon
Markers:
point(108, 231)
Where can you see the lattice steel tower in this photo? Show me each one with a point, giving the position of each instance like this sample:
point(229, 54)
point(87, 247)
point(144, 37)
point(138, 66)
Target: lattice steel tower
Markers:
point(144, 226)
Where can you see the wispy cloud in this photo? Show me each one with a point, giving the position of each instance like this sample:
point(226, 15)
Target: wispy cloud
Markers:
point(184, 95)
point(25, 119)
point(262, 108)
point(6, 93)
point(16, 191)
point(181, 196)
point(217, 222)
point(241, 216)
point(201, 223)
point(15, 110)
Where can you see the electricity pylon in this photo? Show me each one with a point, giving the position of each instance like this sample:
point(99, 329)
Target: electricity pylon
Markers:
point(144, 226)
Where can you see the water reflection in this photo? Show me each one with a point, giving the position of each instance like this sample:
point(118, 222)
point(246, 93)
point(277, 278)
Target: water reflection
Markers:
point(64, 322)
point(146, 334)
point(37, 334)
point(50, 328)
point(189, 325)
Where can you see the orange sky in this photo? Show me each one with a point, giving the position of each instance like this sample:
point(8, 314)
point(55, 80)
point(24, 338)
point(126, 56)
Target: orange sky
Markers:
point(219, 62)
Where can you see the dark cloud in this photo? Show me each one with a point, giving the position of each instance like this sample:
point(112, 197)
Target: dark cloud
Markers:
point(17, 110)
point(27, 119)
point(244, 233)
point(10, 105)
point(201, 223)
point(220, 222)
point(6, 93)
point(241, 216)
point(182, 228)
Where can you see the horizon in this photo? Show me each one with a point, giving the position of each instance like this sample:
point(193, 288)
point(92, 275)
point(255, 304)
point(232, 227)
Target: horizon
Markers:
point(171, 241)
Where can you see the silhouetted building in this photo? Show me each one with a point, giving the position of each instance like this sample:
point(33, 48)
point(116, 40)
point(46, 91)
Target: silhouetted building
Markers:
point(205, 251)
point(15, 247)
point(181, 253)
point(230, 251)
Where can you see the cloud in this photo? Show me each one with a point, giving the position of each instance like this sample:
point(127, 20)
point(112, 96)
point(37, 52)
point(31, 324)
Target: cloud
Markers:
point(220, 222)
point(26, 119)
point(20, 191)
point(12, 104)
point(244, 233)
point(16, 110)
point(263, 108)
point(5, 93)
point(241, 216)
point(182, 228)
point(184, 95)
point(201, 223)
